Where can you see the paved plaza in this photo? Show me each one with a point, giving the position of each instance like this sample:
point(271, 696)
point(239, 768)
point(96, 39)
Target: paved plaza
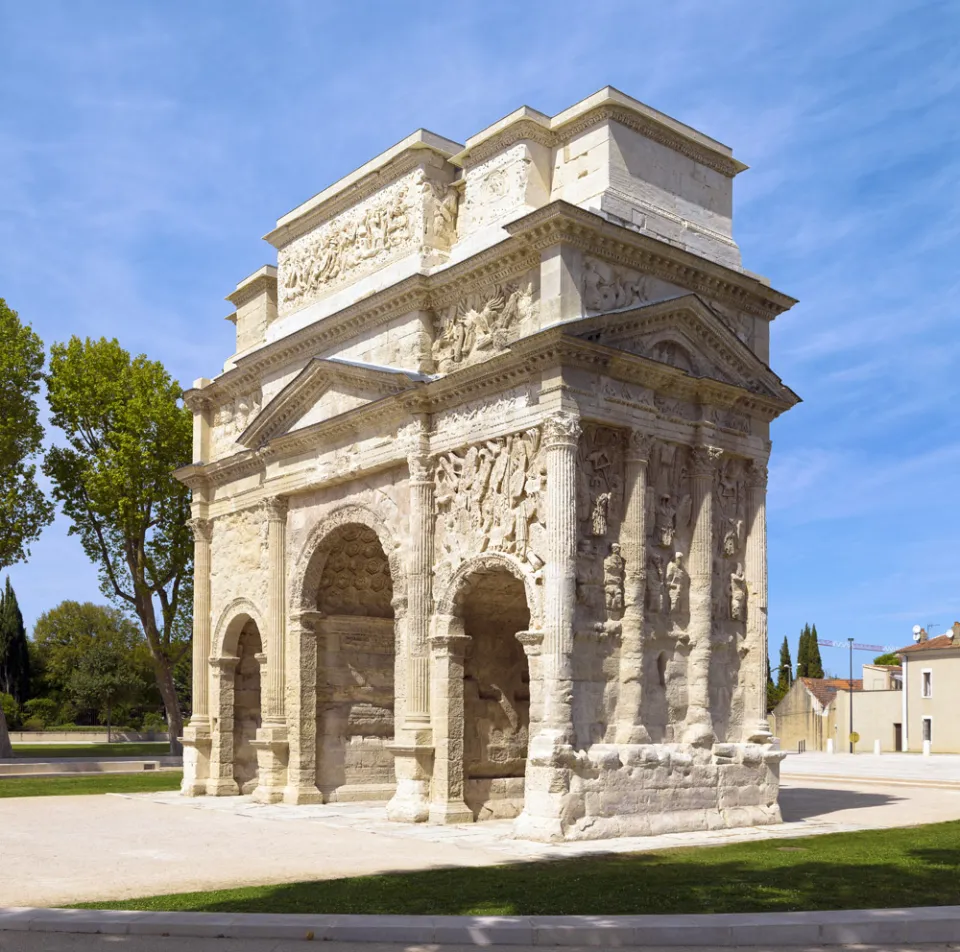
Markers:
point(112, 847)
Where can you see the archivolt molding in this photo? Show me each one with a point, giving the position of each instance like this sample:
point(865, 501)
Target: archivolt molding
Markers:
point(227, 630)
point(449, 603)
point(308, 569)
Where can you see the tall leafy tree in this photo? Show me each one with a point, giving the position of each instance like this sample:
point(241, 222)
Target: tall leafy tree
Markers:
point(785, 676)
point(104, 676)
point(126, 432)
point(14, 649)
point(815, 662)
point(24, 510)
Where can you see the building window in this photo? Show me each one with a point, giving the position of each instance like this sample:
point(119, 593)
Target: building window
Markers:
point(927, 683)
point(928, 729)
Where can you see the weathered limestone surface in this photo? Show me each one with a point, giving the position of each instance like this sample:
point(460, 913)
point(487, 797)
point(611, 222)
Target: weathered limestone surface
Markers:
point(479, 498)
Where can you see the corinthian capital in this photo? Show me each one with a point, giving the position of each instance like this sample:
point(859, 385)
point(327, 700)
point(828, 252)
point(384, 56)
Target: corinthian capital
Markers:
point(757, 474)
point(275, 508)
point(639, 445)
point(704, 460)
point(421, 469)
point(561, 429)
point(202, 529)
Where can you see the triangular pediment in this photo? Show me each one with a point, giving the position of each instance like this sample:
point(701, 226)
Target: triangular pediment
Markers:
point(325, 389)
point(687, 334)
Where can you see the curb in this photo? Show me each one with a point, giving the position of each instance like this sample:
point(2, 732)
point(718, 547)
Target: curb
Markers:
point(848, 927)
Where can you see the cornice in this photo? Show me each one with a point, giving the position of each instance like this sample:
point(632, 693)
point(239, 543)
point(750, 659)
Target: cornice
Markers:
point(525, 130)
point(562, 222)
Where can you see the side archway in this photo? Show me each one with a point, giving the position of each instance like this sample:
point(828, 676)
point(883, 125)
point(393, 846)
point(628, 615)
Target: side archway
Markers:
point(451, 600)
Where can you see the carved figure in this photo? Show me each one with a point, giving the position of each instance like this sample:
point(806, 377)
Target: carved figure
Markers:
point(665, 527)
point(607, 289)
point(613, 570)
point(738, 594)
point(678, 582)
point(601, 506)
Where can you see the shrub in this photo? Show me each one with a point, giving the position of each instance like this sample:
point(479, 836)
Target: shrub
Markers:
point(152, 721)
point(32, 724)
point(41, 708)
point(11, 712)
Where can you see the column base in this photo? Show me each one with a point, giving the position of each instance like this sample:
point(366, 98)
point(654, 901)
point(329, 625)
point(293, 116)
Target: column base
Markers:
point(222, 788)
point(633, 734)
point(302, 795)
point(197, 742)
point(453, 811)
point(413, 765)
point(698, 731)
point(272, 752)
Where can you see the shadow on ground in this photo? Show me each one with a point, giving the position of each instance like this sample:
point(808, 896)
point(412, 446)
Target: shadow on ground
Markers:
point(805, 803)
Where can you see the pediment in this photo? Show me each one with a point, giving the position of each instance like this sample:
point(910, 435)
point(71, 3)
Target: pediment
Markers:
point(687, 334)
point(324, 389)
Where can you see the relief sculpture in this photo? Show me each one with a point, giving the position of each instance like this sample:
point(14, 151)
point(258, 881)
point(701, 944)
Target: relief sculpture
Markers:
point(729, 582)
point(233, 418)
point(365, 235)
point(489, 497)
point(481, 324)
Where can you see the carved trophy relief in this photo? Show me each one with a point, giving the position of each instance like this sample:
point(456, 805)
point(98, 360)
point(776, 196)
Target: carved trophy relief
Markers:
point(357, 241)
point(489, 497)
point(730, 518)
point(232, 418)
point(614, 566)
point(481, 324)
point(485, 413)
point(443, 208)
point(606, 288)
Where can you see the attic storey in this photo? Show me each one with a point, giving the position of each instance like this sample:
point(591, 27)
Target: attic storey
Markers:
point(485, 482)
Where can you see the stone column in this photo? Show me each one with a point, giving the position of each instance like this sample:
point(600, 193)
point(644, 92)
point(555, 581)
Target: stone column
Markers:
point(532, 642)
point(271, 742)
point(304, 638)
point(196, 736)
point(561, 435)
point(633, 540)
point(447, 804)
point(413, 746)
point(221, 782)
point(698, 730)
point(756, 725)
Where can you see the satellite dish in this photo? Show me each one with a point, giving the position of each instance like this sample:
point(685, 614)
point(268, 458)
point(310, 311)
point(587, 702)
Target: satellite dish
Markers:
point(917, 629)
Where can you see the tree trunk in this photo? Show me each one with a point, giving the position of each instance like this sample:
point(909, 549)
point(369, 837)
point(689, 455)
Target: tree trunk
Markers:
point(168, 692)
point(6, 750)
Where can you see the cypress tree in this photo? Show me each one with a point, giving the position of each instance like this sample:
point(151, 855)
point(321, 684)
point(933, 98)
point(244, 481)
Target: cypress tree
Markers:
point(814, 659)
point(784, 677)
point(803, 653)
point(14, 652)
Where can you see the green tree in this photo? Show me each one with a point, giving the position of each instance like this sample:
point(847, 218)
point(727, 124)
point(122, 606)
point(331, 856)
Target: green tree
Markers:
point(24, 510)
point(6, 750)
point(104, 676)
point(127, 432)
point(889, 658)
point(785, 675)
point(814, 661)
point(14, 651)
point(803, 653)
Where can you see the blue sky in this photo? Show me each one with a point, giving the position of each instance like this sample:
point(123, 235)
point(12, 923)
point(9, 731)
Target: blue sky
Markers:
point(145, 147)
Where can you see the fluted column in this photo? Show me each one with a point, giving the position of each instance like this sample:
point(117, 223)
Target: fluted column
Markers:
point(756, 725)
point(699, 724)
point(633, 541)
point(412, 748)
point(419, 592)
point(561, 435)
point(271, 742)
point(196, 736)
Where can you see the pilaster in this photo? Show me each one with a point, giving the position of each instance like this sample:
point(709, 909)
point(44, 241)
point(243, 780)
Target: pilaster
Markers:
point(633, 541)
point(447, 803)
point(220, 782)
point(304, 635)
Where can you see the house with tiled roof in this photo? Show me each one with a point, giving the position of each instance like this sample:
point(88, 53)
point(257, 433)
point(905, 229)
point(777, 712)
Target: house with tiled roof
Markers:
point(806, 715)
point(930, 701)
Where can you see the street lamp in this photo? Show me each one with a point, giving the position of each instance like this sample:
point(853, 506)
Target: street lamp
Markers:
point(850, 642)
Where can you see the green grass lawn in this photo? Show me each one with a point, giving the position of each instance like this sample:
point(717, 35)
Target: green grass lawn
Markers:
point(40, 786)
point(914, 866)
point(92, 751)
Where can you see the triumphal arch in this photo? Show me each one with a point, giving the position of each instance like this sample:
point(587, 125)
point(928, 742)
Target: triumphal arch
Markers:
point(479, 501)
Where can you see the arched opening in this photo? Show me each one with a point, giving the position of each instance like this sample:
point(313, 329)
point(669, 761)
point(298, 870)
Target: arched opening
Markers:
point(662, 669)
point(356, 667)
point(246, 706)
point(496, 693)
